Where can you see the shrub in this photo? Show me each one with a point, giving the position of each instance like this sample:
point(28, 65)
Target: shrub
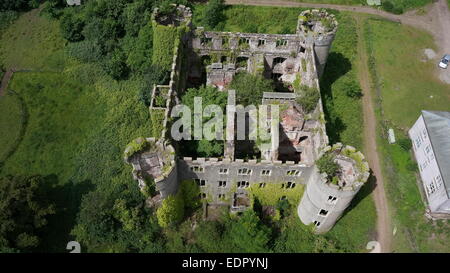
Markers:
point(213, 13)
point(352, 88)
point(405, 144)
point(249, 88)
point(115, 65)
point(135, 146)
point(389, 7)
point(171, 211)
point(327, 165)
point(308, 97)
point(85, 51)
point(71, 27)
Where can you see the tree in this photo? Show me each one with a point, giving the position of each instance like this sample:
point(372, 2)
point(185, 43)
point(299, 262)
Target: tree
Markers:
point(115, 65)
point(139, 50)
point(308, 97)
point(171, 210)
point(352, 88)
point(248, 234)
point(24, 208)
point(213, 13)
point(210, 96)
point(250, 88)
point(14, 5)
point(113, 219)
point(326, 164)
point(71, 27)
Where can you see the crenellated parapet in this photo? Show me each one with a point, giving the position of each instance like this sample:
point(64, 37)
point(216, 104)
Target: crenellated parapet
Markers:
point(326, 198)
point(319, 29)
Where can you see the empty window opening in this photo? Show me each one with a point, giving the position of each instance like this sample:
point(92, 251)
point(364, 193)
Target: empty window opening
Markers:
point(224, 41)
point(323, 212)
point(262, 185)
point(222, 184)
point(303, 138)
point(332, 199)
point(316, 223)
point(205, 41)
point(278, 60)
point(244, 171)
point(241, 61)
point(290, 185)
point(293, 173)
point(206, 60)
point(302, 49)
point(282, 42)
point(283, 197)
point(243, 184)
point(261, 42)
point(202, 195)
point(221, 196)
point(200, 182)
point(223, 59)
point(244, 41)
point(276, 76)
point(223, 171)
point(197, 169)
point(266, 172)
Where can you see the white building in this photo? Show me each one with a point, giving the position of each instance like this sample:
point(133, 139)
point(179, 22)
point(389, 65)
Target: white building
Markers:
point(430, 136)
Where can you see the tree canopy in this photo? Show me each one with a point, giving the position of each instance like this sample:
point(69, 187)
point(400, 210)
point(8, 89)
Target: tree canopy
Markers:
point(250, 88)
point(24, 208)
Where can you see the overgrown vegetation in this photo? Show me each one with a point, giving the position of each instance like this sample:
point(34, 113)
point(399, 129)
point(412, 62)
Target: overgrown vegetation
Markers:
point(415, 232)
point(250, 88)
point(81, 119)
point(203, 147)
point(327, 165)
point(340, 89)
point(24, 213)
point(307, 97)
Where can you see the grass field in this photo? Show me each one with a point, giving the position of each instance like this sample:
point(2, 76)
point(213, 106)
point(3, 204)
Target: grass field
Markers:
point(407, 78)
point(404, 4)
point(253, 19)
point(32, 42)
point(11, 122)
point(404, 85)
point(79, 121)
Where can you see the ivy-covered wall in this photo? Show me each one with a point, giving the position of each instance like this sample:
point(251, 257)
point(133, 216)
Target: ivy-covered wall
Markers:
point(164, 38)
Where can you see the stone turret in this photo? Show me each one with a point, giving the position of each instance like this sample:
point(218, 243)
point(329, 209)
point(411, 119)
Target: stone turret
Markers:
point(326, 198)
point(319, 28)
point(153, 162)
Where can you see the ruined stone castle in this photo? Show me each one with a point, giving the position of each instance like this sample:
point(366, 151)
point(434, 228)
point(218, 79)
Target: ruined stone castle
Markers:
point(289, 159)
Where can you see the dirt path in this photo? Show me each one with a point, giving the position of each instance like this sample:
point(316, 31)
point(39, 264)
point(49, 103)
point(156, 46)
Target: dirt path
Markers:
point(384, 233)
point(5, 81)
point(435, 19)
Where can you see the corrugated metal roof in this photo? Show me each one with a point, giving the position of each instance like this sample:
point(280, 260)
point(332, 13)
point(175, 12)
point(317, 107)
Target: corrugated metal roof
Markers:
point(438, 127)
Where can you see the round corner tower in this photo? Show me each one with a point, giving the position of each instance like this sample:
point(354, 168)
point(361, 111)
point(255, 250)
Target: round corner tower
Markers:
point(325, 198)
point(319, 28)
point(153, 162)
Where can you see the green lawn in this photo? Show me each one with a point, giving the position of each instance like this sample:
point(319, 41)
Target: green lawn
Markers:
point(32, 42)
point(11, 123)
point(404, 4)
point(254, 19)
point(79, 121)
point(404, 86)
point(408, 81)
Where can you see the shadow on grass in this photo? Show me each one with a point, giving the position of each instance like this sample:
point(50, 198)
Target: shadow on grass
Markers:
point(363, 193)
point(337, 66)
point(67, 200)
